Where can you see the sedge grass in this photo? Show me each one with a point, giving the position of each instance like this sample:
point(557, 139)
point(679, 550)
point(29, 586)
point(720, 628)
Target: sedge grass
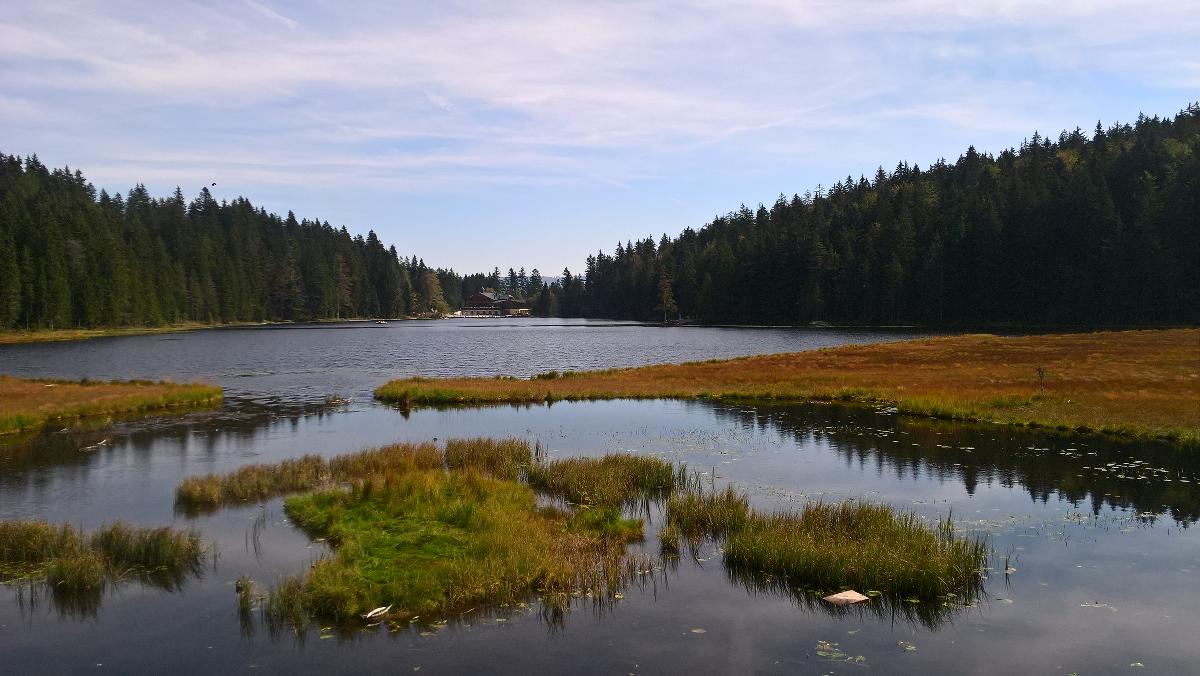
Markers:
point(429, 542)
point(27, 405)
point(612, 480)
point(77, 567)
point(1137, 383)
point(504, 458)
point(830, 546)
point(263, 481)
point(429, 532)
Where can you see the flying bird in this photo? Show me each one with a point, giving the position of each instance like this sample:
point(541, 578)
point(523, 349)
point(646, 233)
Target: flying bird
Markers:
point(214, 185)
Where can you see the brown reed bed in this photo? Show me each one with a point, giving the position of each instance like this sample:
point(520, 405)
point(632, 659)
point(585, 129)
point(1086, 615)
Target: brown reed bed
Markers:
point(27, 405)
point(1140, 383)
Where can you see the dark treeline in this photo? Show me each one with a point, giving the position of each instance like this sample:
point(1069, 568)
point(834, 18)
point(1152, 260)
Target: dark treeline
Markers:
point(72, 258)
point(1096, 228)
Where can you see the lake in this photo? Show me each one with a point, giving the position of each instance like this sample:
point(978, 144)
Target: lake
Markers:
point(1094, 564)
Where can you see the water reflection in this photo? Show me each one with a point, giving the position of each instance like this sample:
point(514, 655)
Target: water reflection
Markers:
point(1148, 477)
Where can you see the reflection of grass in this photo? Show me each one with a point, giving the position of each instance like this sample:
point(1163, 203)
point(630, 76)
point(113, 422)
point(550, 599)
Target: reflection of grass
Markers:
point(31, 404)
point(77, 567)
point(1130, 382)
point(848, 545)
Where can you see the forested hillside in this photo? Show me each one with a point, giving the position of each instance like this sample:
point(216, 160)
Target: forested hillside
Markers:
point(1096, 228)
point(70, 257)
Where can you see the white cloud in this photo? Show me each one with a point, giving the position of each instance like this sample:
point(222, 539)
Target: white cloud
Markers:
point(582, 91)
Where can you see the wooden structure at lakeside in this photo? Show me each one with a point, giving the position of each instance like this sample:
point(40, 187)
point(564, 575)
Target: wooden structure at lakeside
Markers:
point(488, 303)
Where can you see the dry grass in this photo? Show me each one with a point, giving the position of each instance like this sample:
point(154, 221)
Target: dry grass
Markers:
point(1144, 383)
point(31, 404)
point(57, 335)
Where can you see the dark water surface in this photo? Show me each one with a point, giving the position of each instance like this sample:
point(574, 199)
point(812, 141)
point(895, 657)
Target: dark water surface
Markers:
point(1097, 535)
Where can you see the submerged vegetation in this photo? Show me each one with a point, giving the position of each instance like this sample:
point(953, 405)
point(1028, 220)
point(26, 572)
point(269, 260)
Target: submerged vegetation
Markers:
point(77, 567)
point(1142, 383)
point(31, 404)
point(419, 530)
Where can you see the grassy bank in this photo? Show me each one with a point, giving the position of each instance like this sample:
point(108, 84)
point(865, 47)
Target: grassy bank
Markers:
point(1144, 383)
point(56, 335)
point(419, 530)
point(31, 404)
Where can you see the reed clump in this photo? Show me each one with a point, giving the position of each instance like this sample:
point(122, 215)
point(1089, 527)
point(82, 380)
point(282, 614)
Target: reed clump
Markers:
point(78, 566)
point(613, 480)
point(258, 482)
point(30, 404)
point(831, 546)
point(503, 458)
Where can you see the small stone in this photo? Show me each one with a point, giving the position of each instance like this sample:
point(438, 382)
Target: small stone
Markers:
point(846, 598)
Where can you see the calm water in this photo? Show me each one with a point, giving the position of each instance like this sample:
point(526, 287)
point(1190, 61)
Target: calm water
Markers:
point(1098, 533)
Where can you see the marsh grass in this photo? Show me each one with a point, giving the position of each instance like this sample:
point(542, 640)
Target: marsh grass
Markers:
point(504, 458)
point(77, 567)
point(27, 405)
point(252, 483)
point(433, 542)
point(1129, 383)
point(613, 480)
point(436, 532)
point(829, 546)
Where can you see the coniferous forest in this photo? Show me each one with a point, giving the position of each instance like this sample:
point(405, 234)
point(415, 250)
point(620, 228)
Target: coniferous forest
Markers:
point(1099, 228)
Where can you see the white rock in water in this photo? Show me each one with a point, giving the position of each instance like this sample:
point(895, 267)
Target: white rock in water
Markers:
point(846, 598)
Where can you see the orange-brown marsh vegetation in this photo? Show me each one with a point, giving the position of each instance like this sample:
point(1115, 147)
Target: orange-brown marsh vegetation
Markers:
point(30, 404)
point(1127, 382)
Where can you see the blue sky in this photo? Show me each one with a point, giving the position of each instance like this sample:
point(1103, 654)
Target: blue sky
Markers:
point(533, 133)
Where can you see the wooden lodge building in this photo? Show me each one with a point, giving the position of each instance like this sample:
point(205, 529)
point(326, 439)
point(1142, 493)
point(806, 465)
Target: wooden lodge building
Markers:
point(488, 303)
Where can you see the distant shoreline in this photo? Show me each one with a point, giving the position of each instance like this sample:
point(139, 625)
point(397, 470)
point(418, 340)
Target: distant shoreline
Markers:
point(1129, 383)
point(20, 337)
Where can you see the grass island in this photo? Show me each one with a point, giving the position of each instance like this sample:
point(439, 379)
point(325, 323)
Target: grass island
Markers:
point(1140, 383)
point(27, 405)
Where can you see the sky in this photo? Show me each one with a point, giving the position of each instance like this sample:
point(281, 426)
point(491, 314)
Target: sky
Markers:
point(510, 134)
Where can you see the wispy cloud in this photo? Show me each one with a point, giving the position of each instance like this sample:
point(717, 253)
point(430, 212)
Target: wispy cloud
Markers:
point(420, 100)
